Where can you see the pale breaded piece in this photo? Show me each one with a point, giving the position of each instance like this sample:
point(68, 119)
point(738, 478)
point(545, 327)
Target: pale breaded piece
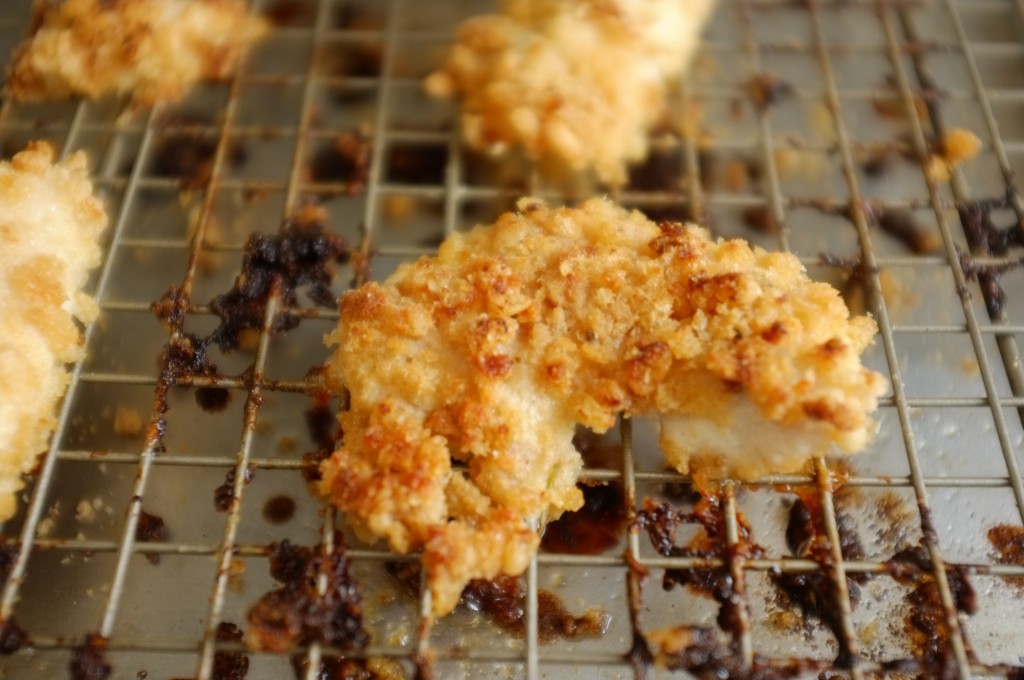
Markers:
point(49, 225)
point(576, 84)
point(153, 50)
point(493, 351)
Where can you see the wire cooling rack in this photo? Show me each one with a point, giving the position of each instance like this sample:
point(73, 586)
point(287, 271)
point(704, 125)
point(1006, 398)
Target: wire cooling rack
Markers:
point(870, 86)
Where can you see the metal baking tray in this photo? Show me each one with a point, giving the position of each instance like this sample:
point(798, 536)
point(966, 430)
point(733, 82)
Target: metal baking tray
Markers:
point(870, 86)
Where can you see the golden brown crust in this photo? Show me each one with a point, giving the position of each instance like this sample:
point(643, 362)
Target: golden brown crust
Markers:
point(493, 351)
point(575, 84)
point(152, 49)
point(50, 223)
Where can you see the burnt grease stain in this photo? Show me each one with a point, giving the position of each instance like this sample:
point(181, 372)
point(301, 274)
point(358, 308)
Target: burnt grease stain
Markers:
point(213, 399)
point(185, 149)
point(925, 620)
point(89, 661)
point(346, 160)
point(224, 494)
point(150, 528)
point(296, 613)
point(816, 594)
point(279, 509)
point(661, 521)
point(303, 254)
point(601, 522)
point(229, 665)
point(702, 653)
point(985, 238)
point(1008, 540)
point(336, 668)
point(503, 600)
point(12, 637)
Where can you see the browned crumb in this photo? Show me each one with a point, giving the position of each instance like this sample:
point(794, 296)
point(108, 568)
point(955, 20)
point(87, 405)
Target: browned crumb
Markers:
point(957, 147)
point(153, 50)
point(1008, 540)
point(399, 207)
point(128, 421)
point(494, 351)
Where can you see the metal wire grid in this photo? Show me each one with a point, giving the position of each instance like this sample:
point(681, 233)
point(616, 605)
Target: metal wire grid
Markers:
point(906, 48)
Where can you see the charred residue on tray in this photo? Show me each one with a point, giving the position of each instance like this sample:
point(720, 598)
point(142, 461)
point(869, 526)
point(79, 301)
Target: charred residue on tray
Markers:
point(1008, 541)
point(150, 529)
point(12, 637)
point(661, 521)
point(322, 425)
point(302, 254)
point(985, 238)
point(229, 665)
point(816, 594)
point(595, 527)
point(417, 164)
point(503, 600)
point(185, 149)
point(903, 225)
point(345, 160)
point(601, 522)
point(700, 652)
point(89, 661)
point(767, 90)
point(290, 12)
point(224, 494)
point(337, 668)
point(279, 509)
point(297, 613)
point(925, 620)
point(662, 170)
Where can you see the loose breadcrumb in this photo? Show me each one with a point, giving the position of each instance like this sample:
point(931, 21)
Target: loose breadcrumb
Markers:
point(576, 84)
point(49, 225)
point(128, 421)
point(958, 147)
point(492, 352)
point(153, 50)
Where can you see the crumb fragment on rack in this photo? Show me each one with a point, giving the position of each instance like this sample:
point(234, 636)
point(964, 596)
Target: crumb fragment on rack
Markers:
point(150, 50)
point(128, 421)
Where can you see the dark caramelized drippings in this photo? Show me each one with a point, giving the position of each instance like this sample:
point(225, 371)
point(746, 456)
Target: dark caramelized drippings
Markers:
point(279, 509)
point(89, 662)
point(1008, 540)
point(594, 528)
point(296, 613)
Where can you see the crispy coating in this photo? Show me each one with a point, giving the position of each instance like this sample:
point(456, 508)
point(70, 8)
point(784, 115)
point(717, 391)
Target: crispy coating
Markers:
point(576, 84)
point(153, 50)
point(492, 352)
point(49, 225)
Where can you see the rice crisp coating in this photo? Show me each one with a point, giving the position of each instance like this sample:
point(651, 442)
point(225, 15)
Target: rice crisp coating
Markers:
point(153, 50)
point(576, 84)
point(492, 352)
point(49, 226)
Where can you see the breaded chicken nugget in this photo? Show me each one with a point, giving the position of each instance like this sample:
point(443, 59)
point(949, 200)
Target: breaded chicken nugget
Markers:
point(153, 50)
point(468, 373)
point(576, 84)
point(49, 225)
